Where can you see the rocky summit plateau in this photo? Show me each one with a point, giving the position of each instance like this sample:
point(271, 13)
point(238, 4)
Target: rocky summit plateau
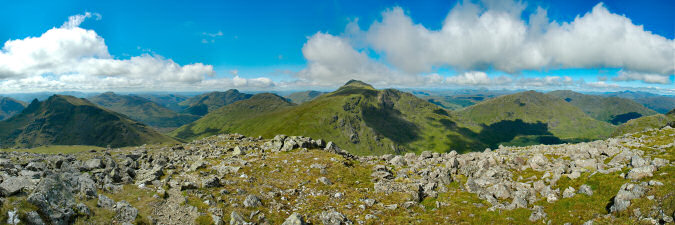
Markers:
point(230, 178)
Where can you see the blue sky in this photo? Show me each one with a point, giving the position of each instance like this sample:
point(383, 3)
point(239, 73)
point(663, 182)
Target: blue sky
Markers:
point(265, 40)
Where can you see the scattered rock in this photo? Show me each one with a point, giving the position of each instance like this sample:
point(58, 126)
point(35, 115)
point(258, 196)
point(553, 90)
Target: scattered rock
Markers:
point(252, 201)
point(294, 219)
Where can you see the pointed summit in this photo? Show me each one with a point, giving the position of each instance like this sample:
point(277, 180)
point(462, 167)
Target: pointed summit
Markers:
point(67, 120)
point(358, 83)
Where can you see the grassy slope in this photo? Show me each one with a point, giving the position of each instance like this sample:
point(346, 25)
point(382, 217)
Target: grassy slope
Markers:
point(142, 110)
point(202, 104)
point(647, 122)
point(66, 120)
point(357, 117)
point(603, 108)
point(9, 107)
point(169, 101)
point(304, 96)
point(560, 118)
point(660, 104)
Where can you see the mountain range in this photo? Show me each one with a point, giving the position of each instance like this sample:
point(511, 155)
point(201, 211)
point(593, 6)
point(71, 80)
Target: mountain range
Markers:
point(534, 117)
point(356, 116)
point(143, 110)
point(202, 104)
point(611, 109)
point(303, 96)
point(67, 120)
point(9, 107)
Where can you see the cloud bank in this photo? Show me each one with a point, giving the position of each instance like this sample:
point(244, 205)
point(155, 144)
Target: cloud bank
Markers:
point(490, 36)
point(73, 58)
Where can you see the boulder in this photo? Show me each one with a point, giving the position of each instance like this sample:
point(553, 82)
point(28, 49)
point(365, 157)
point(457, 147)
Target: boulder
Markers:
point(93, 164)
point(332, 217)
point(124, 212)
point(585, 189)
point(211, 182)
point(105, 202)
point(538, 162)
point(54, 198)
point(641, 172)
point(236, 219)
point(252, 201)
point(569, 192)
point(34, 218)
point(13, 185)
point(294, 219)
point(537, 213)
point(627, 192)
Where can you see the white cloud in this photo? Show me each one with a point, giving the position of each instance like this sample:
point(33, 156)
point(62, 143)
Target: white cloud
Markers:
point(332, 60)
point(475, 37)
point(650, 78)
point(73, 58)
point(476, 78)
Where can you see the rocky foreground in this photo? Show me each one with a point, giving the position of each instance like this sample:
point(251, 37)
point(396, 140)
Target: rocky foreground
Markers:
point(296, 180)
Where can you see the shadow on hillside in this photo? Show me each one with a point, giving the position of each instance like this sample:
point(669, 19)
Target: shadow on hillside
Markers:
point(514, 132)
point(389, 123)
point(187, 132)
point(350, 90)
point(622, 118)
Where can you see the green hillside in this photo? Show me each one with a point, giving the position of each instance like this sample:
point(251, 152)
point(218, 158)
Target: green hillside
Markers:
point(613, 110)
point(303, 96)
point(647, 122)
point(535, 118)
point(660, 104)
point(9, 107)
point(202, 104)
point(170, 101)
point(143, 110)
point(66, 120)
point(357, 117)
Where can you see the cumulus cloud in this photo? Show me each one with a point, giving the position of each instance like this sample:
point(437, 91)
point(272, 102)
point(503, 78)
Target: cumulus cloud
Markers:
point(489, 35)
point(650, 78)
point(493, 35)
point(332, 60)
point(73, 58)
point(476, 78)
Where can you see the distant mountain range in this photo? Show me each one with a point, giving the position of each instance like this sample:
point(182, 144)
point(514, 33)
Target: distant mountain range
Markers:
point(143, 110)
point(202, 104)
point(67, 120)
point(611, 109)
point(304, 96)
point(9, 107)
point(357, 116)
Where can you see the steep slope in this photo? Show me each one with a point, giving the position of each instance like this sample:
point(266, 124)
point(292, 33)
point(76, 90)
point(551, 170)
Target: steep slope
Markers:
point(304, 96)
point(537, 114)
point(611, 109)
point(202, 104)
point(356, 116)
point(660, 104)
point(66, 120)
point(648, 122)
point(143, 110)
point(170, 101)
point(9, 107)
